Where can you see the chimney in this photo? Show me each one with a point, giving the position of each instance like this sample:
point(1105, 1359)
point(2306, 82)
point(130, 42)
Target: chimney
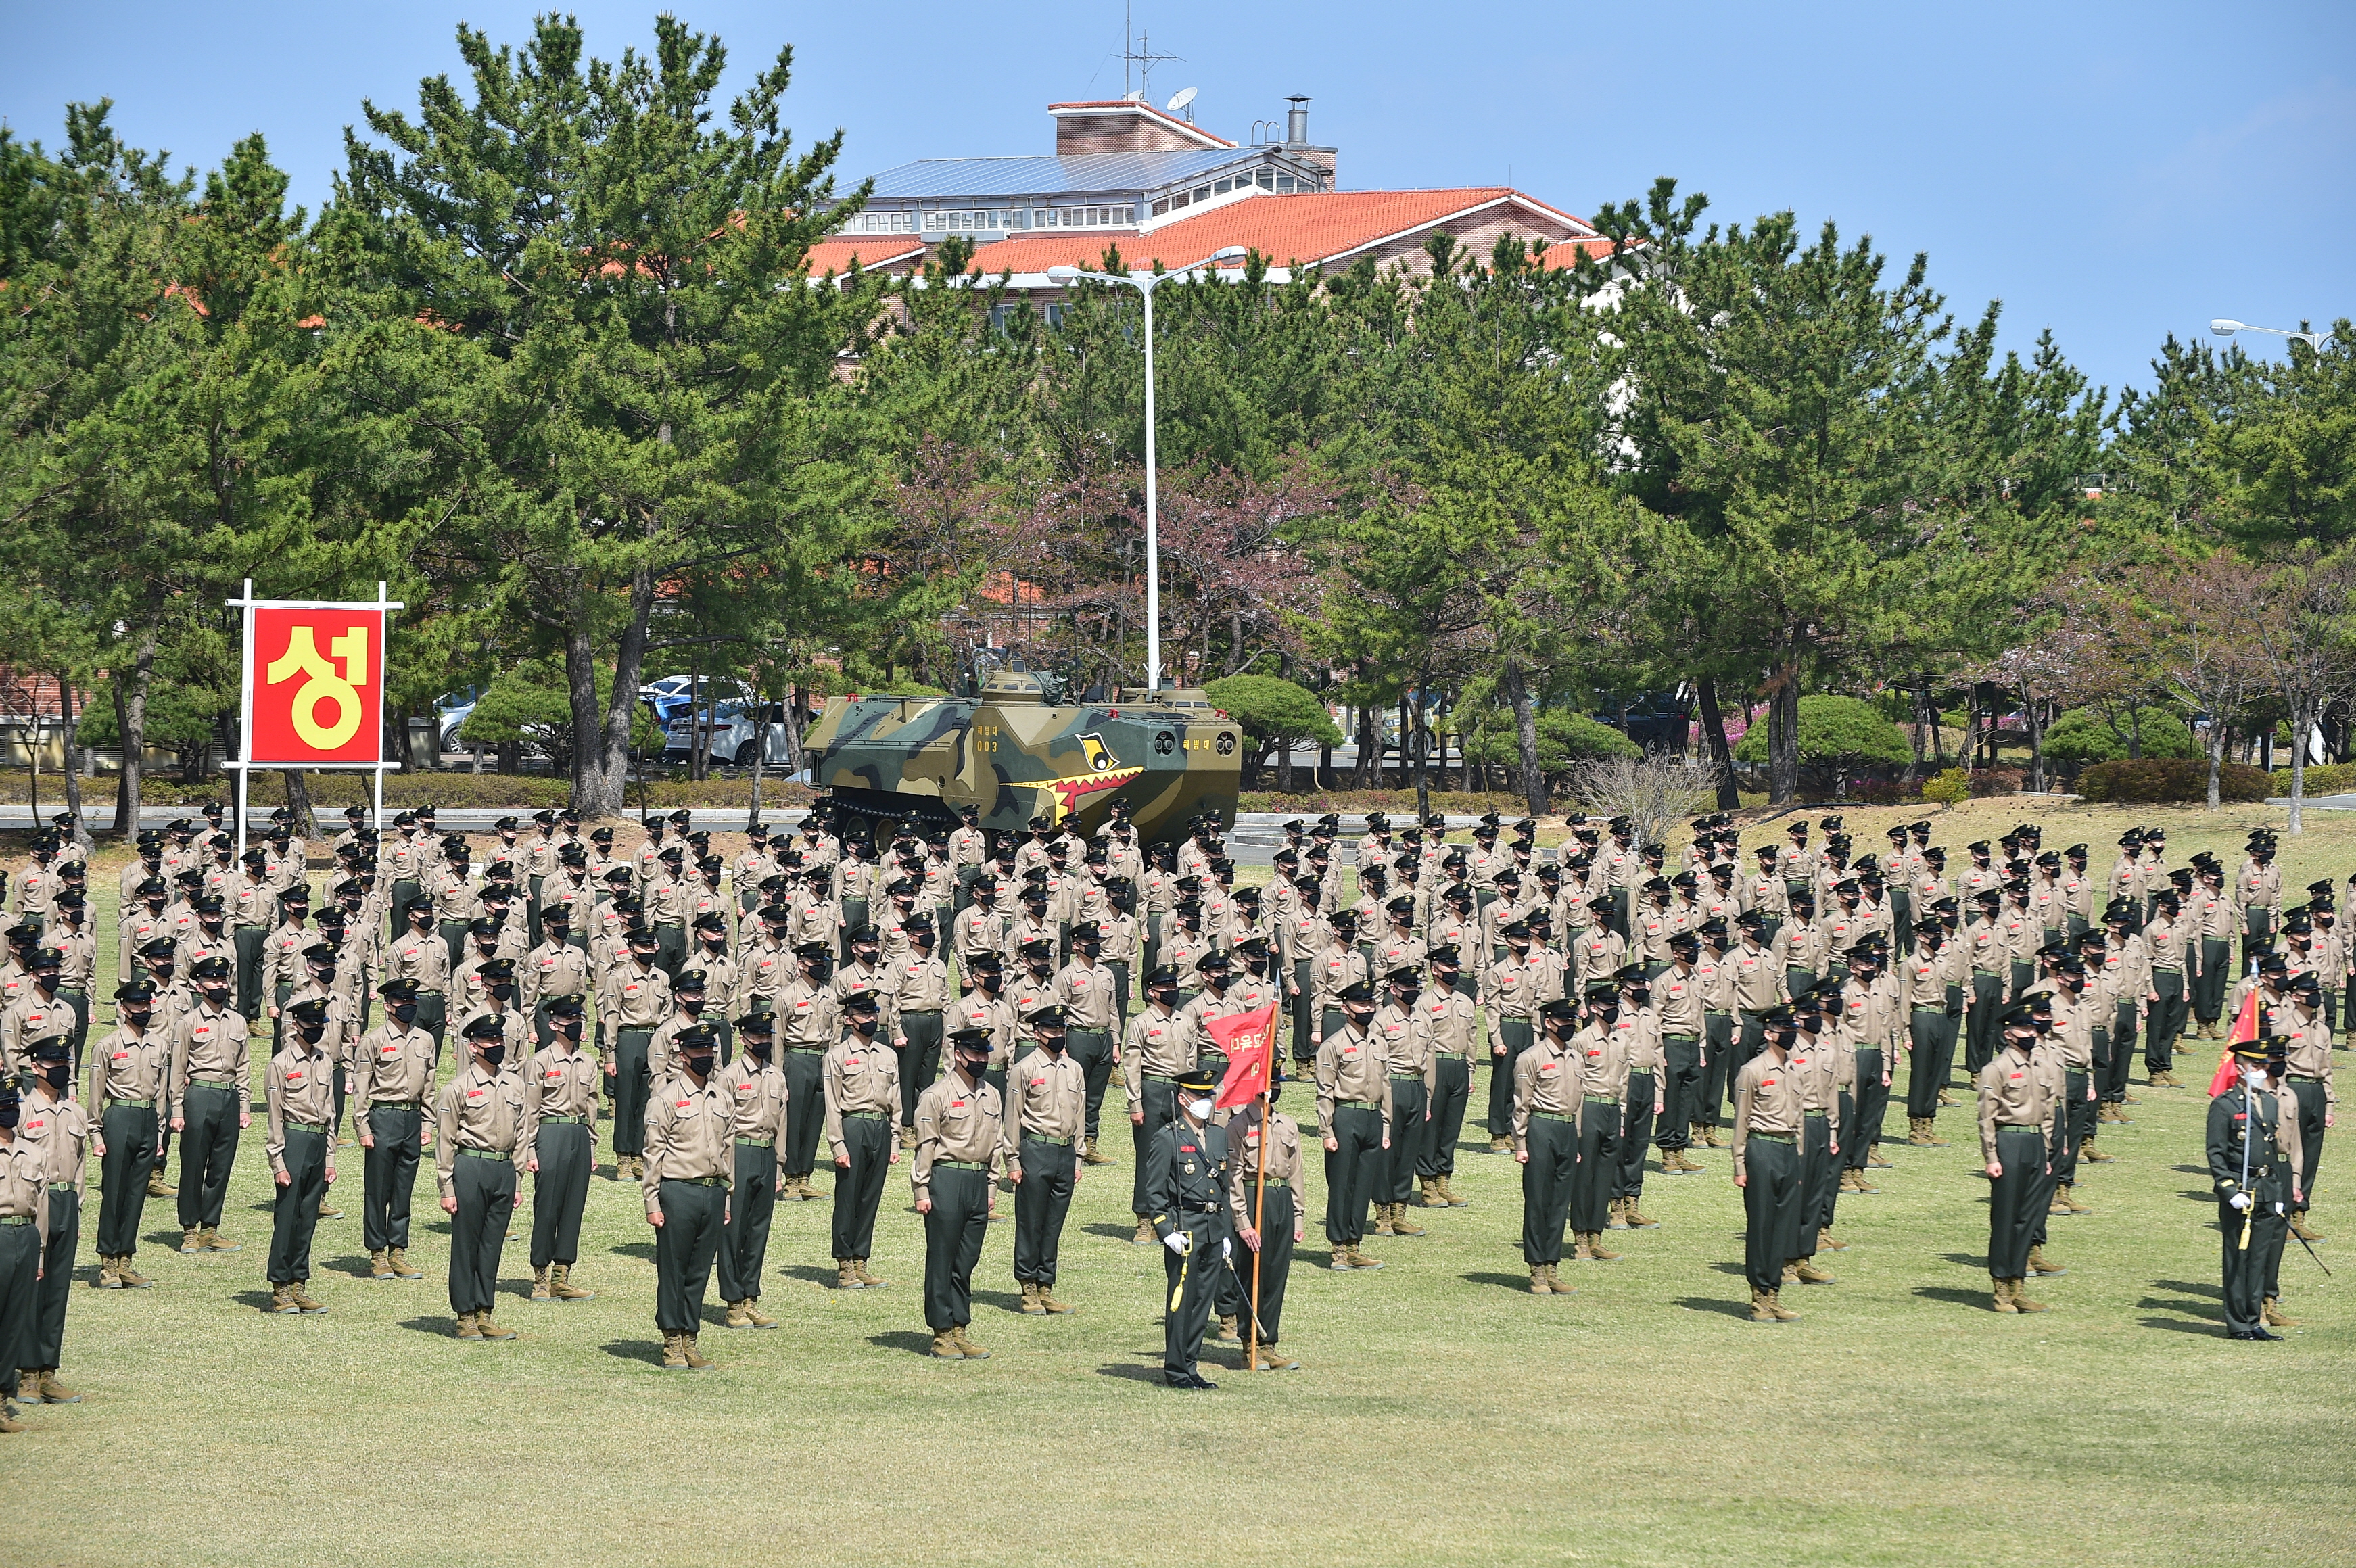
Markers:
point(1296, 138)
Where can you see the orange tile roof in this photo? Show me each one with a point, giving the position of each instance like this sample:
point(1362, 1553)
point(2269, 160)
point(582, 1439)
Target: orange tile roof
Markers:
point(1287, 230)
point(872, 252)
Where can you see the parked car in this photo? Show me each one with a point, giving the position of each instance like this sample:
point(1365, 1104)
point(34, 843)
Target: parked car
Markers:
point(449, 712)
point(731, 734)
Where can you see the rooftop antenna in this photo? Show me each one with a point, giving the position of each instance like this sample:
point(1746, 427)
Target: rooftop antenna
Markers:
point(1183, 103)
point(1141, 55)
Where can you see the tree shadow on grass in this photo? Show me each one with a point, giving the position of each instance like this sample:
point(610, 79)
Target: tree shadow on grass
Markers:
point(2190, 1308)
point(2191, 1169)
point(1131, 1373)
point(642, 1250)
point(1003, 1301)
point(2189, 1287)
point(1738, 1310)
point(257, 1299)
point(1966, 1260)
point(2198, 1197)
point(1951, 1295)
point(904, 1339)
point(439, 1328)
point(169, 1240)
point(1112, 1233)
point(824, 1277)
point(1519, 1282)
point(1730, 1268)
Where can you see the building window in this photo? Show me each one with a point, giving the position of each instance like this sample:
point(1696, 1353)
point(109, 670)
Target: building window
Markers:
point(1085, 217)
point(880, 223)
point(994, 219)
point(1265, 178)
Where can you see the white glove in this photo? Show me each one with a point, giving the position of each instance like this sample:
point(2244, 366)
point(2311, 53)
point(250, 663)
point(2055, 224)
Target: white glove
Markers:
point(2239, 1200)
point(1176, 1241)
point(1227, 1249)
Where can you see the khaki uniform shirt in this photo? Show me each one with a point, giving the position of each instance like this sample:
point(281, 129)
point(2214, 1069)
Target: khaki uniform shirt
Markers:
point(759, 1096)
point(858, 1075)
point(1546, 1079)
point(550, 970)
point(961, 1122)
point(1404, 1039)
point(1157, 1044)
point(690, 1136)
point(1244, 1143)
point(2013, 1093)
point(392, 1066)
point(1350, 1072)
point(561, 1079)
point(1086, 992)
point(1767, 1099)
point(634, 998)
point(211, 1046)
point(301, 1088)
point(1048, 1099)
point(126, 1066)
point(25, 1183)
point(60, 1129)
point(479, 1110)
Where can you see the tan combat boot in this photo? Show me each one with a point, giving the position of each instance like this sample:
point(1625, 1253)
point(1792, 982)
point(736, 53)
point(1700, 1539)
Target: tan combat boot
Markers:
point(945, 1348)
point(561, 1285)
point(695, 1361)
point(2299, 1227)
point(753, 1314)
point(380, 1264)
point(1383, 1220)
point(2092, 1155)
point(1688, 1164)
point(2000, 1294)
point(1791, 1271)
point(1052, 1302)
point(1579, 1252)
point(2272, 1317)
point(674, 1352)
point(107, 1279)
point(858, 1267)
point(1760, 1311)
point(1945, 1099)
point(1358, 1259)
point(1031, 1304)
point(973, 1352)
point(1809, 1273)
point(467, 1327)
point(1428, 1192)
point(846, 1277)
point(1094, 1155)
point(212, 1241)
point(1501, 1145)
point(1448, 1191)
point(128, 1277)
point(1562, 1286)
point(56, 1392)
point(540, 1288)
point(809, 1195)
point(192, 1239)
point(1874, 1160)
point(157, 1186)
point(281, 1299)
point(1827, 1242)
point(1538, 1284)
point(1918, 1133)
point(1637, 1218)
point(2039, 1263)
point(398, 1258)
point(1782, 1313)
point(907, 1137)
point(1596, 1251)
point(2068, 1196)
point(1145, 1236)
point(304, 1300)
point(1400, 1224)
point(490, 1330)
point(1710, 1139)
point(737, 1319)
point(2020, 1303)
point(1618, 1213)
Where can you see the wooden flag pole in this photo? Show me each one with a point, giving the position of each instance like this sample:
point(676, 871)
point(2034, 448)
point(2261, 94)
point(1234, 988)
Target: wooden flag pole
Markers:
point(1259, 1229)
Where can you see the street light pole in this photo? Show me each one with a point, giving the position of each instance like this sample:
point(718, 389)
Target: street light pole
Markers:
point(1145, 286)
point(2224, 328)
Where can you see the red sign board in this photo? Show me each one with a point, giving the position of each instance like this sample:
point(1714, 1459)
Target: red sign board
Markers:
point(315, 685)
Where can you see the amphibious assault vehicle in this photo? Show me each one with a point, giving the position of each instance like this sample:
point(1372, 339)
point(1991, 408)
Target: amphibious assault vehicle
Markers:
point(1016, 751)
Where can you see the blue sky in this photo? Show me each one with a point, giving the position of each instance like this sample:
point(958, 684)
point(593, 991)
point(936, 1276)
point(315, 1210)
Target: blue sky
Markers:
point(2115, 171)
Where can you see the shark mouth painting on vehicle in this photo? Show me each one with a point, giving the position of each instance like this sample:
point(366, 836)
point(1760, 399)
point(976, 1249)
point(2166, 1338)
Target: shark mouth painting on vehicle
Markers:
point(1068, 792)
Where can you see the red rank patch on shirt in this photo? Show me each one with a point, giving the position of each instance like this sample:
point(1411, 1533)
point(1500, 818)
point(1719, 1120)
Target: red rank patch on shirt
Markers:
point(957, 1104)
point(1038, 1083)
point(1185, 1149)
point(1768, 1082)
point(474, 1093)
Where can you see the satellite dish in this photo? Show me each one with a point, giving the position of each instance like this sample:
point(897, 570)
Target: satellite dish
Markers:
point(1184, 96)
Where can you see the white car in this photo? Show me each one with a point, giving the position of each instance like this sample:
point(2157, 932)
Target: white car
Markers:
point(731, 736)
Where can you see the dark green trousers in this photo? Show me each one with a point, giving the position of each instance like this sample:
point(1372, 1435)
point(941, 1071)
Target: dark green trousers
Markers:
point(744, 1240)
point(1042, 1201)
point(1407, 1129)
point(57, 1259)
point(1819, 1180)
point(2257, 935)
point(1772, 1199)
point(434, 1018)
point(1926, 1029)
point(953, 1229)
point(294, 1213)
point(2167, 1021)
point(454, 937)
point(208, 1152)
point(629, 1087)
point(2216, 968)
point(1160, 1103)
point(1452, 1097)
point(1515, 1034)
point(1750, 1039)
point(79, 1002)
point(1862, 1132)
point(2075, 1121)
point(920, 1060)
point(1192, 1282)
point(130, 1134)
point(1635, 1130)
point(560, 1193)
point(1979, 1028)
point(2017, 1201)
point(1547, 1181)
point(1274, 1261)
point(805, 1109)
point(670, 948)
point(1684, 1081)
point(1301, 1008)
point(859, 1191)
point(1593, 1185)
point(2309, 1094)
point(1119, 967)
point(389, 1176)
point(247, 940)
point(1353, 1166)
point(485, 1190)
point(2245, 1268)
point(20, 1287)
point(2124, 1024)
point(686, 1242)
point(1093, 1050)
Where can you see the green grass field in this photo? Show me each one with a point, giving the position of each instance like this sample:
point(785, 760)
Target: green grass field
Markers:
point(1441, 1415)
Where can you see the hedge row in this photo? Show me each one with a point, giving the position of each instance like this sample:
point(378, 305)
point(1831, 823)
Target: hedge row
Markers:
point(2337, 779)
point(2171, 779)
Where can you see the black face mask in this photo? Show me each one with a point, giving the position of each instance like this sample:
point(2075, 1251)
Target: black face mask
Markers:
point(862, 1024)
point(758, 1049)
point(57, 1075)
point(972, 1066)
point(325, 974)
point(691, 1005)
point(401, 1012)
point(569, 1027)
point(492, 1055)
point(9, 1114)
point(138, 1018)
point(312, 1033)
point(217, 996)
point(1639, 996)
point(699, 1063)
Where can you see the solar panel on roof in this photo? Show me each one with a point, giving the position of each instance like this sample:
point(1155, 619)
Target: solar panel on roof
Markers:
point(1094, 172)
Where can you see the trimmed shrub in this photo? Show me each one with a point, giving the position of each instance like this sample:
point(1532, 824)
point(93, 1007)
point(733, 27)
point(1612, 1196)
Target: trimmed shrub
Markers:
point(1949, 788)
point(2171, 780)
point(2337, 778)
point(1986, 782)
point(1835, 732)
point(2081, 736)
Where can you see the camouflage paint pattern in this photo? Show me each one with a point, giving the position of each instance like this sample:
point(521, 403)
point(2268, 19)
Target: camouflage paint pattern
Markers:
point(1015, 756)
